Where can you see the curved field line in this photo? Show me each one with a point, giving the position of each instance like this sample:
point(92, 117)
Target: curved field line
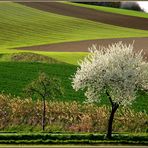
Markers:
point(82, 46)
point(91, 14)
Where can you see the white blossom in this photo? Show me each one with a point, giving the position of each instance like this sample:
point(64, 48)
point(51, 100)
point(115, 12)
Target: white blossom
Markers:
point(116, 69)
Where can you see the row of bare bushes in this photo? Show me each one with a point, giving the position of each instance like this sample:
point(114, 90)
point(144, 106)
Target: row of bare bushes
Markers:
point(67, 116)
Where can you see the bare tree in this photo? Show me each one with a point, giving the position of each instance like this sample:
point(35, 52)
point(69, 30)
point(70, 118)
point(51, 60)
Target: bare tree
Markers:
point(44, 88)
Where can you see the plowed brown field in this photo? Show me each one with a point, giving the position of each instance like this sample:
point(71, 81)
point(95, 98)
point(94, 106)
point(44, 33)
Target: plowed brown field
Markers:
point(94, 15)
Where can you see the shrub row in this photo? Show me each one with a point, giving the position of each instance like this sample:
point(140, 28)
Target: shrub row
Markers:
point(71, 138)
point(18, 115)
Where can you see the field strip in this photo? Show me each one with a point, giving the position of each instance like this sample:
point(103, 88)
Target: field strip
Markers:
point(90, 14)
point(82, 46)
point(21, 26)
point(112, 10)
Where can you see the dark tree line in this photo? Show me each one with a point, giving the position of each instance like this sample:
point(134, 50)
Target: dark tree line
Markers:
point(124, 5)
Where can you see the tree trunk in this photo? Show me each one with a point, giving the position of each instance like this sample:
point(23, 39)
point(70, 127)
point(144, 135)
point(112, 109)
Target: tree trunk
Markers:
point(43, 115)
point(110, 122)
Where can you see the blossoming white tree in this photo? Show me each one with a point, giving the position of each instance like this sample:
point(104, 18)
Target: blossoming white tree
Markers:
point(116, 71)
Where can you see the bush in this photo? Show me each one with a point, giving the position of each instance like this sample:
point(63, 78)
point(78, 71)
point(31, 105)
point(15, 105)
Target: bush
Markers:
point(131, 6)
point(17, 115)
point(32, 57)
point(45, 138)
point(106, 4)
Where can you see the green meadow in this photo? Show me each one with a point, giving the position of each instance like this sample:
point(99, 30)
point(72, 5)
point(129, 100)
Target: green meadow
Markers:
point(16, 75)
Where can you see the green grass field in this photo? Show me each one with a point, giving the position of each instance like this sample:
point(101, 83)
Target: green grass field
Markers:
point(16, 75)
point(112, 10)
point(24, 26)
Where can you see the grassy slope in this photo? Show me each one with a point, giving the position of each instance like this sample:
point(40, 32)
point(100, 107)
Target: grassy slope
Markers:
point(67, 57)
point(24, 26)
point(112, 10)
point(15, 76)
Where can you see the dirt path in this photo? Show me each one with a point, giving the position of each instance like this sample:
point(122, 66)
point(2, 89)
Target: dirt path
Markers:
point(82, 46)
point(90, 14)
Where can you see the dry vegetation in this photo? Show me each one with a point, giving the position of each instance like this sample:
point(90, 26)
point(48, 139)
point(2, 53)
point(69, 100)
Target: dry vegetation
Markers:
point(32, 57)
point(18, 115)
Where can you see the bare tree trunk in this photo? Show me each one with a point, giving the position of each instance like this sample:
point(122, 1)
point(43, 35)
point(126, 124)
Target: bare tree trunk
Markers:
point(43, 115)
point(110, 122)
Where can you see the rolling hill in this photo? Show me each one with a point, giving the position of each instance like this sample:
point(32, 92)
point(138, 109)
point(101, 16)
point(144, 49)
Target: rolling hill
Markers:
point(23, 26)
point(94, 13)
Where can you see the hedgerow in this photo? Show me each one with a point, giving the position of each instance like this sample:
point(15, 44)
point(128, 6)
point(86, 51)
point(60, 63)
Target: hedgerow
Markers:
point(46, 138)
point(19, 115)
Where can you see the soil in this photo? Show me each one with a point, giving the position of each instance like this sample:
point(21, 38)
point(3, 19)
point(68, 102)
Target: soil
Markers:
point(82, 46)
point(90, 14)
